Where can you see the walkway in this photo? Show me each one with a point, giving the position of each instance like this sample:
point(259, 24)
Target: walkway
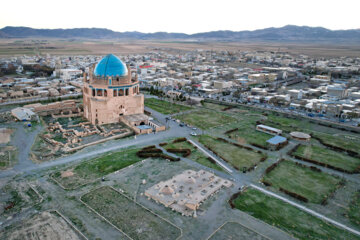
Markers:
point(211, 156)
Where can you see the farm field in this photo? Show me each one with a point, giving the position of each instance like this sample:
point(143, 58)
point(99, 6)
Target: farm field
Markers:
point(290, 219)
point(205, 119)
point(238, 157)
point(315, 186)
point(165, 107)
point(87, 171)
point(131, 218)
point(327, 156)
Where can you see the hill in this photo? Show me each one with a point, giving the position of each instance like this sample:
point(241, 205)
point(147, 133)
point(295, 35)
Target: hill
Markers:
point(289, 33)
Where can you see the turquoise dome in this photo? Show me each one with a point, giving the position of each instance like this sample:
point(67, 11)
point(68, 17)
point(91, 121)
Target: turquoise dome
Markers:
point(110, 65)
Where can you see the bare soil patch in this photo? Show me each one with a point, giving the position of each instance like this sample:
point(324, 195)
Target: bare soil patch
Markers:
point(5, 135)
point(44, 226)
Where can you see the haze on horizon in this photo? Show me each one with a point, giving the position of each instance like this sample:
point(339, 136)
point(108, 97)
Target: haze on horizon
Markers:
point(186, 16)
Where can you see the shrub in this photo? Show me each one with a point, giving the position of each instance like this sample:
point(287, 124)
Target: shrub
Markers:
point(268, 184)
point(231, 131)
point(185, 151)
point(294, 195)
point(148, 147)
point(179, 140)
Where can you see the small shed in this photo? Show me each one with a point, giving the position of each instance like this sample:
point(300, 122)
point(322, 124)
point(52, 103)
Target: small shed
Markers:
point(277, 142)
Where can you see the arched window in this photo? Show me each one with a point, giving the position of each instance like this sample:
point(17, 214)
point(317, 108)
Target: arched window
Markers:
point(121, 92)
point(115, 93)
point(127, 92)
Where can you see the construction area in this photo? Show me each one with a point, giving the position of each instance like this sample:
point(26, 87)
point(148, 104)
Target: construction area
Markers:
point(185, 192)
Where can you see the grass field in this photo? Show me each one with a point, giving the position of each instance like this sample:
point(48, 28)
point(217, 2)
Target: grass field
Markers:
point(196, 155)
point(328, 156)
point(286, 124)
point(288, 218)
point(354, 209)
point(238, 157)
point(340, 141)
point(214, 106)
point(251, 136)
point(233, 230)
point(128, 216)
point(205, 119)
point(165, 107)
point(95, 168)
point(315, 186)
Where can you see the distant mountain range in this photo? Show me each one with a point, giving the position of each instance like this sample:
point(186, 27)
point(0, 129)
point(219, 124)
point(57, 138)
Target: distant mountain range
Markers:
point(289, 33)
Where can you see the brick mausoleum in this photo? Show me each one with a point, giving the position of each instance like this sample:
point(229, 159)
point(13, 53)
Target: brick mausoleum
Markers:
point(111, 93)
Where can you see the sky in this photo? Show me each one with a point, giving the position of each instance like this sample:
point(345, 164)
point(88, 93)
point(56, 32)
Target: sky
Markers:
point(186, 16)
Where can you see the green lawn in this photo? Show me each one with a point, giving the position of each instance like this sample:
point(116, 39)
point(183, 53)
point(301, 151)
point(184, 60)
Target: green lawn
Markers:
point(348, 142)
point(205, 119)
point(288, 218)
point(196, 155)
point(236, 156)
point(285, 123)
point(324, 155)
point(165, 107)
point(251, 136)
point(354, 209)
point(301, 180)
point(214, 106)
point(136, 221)
point(97, 167)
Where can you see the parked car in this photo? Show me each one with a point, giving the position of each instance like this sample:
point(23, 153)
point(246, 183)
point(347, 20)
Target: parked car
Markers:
point(193, 134)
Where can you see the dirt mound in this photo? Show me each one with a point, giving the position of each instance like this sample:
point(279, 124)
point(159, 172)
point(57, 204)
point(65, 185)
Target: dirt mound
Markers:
point(67, 173)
